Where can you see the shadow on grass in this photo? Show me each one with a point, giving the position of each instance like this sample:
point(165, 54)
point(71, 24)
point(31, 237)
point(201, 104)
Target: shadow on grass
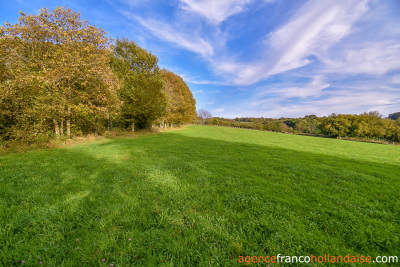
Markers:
point(192, 201)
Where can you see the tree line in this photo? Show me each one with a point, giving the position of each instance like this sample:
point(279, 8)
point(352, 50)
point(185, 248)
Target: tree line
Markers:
point(61, 76)
point(366, 126)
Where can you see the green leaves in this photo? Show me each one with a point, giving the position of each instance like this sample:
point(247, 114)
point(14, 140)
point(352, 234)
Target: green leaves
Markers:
point(142, 91)
point(49, 64)
point(181, 107)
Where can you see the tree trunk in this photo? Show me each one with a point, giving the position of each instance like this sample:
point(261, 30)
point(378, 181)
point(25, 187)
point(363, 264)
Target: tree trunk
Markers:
point(68, 122)
point(133, 127)
point(110, 123)
point(62, 127)
point(56, 128)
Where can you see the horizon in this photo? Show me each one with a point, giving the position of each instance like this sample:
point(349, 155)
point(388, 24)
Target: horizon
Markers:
point(266, 58)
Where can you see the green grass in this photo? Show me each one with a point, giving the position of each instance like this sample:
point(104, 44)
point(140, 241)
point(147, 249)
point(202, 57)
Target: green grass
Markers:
point(198, 196)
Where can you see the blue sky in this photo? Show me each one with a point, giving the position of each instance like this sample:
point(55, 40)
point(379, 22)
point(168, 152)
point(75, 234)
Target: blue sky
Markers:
point(261, 58)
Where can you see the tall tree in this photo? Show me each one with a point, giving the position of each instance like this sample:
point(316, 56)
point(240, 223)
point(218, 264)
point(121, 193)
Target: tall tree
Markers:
point(58, 70)
point(376, 125)
point(181, 106)
point(142, 91)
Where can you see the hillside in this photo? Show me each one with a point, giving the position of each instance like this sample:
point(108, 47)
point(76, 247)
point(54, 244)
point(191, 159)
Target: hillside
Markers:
point(198, 195)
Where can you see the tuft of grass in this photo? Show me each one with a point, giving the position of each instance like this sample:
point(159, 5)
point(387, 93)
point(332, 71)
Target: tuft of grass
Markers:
point(198, 196)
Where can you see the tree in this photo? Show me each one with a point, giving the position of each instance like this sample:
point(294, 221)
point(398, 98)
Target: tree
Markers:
point(376, 125)
point(181, 106)
point(204, 114)
point(360, 126)
point(396, 134)
point(142, 91)
point(394, 116)
point(335, 125)
point(57, 70)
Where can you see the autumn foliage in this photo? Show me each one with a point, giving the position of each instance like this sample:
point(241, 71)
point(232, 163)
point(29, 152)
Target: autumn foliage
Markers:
point(181, 106)
point(60, 76)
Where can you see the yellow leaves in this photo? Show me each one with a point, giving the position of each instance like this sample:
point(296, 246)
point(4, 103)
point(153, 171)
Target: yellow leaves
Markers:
point(58, 57)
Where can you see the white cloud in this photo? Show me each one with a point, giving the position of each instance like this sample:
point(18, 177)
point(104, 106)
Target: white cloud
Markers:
point(312, 89)
point(215, 11)
point(328, 41)
point(194, 80)
point(353, 100)
point(371, 58)
point(240, 73)
point(395, 79)
point(136, 3)
point(163, 31)
point(316, 27)
point(346, 103)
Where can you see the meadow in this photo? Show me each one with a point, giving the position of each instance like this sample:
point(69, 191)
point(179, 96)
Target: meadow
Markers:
point(198, 196)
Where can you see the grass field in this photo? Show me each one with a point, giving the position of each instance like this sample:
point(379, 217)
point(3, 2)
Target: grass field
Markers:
point(198, 196)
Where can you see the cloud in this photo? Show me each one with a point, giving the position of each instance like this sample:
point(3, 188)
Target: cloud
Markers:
point(313, 29)
point(342, 102)
point(339, 98)
point(316, 27)
point(215, 11)
point(371, 58)
point(355, 102)
point(163, 31)
point(311, 89)
point(395, 79)
point(218, 110)
point(194, 80)
point(136, 3)
point(327, 56)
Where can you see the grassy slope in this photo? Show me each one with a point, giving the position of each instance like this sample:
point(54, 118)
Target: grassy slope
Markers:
point(199, 195)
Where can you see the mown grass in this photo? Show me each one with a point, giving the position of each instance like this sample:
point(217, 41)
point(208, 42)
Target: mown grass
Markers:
point(198, 196)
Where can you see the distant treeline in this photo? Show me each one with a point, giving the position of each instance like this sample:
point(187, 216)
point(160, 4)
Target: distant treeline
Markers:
point(60, 76)
point(366, 126)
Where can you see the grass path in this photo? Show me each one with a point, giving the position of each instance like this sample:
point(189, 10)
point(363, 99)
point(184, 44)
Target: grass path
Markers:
point(198, 196)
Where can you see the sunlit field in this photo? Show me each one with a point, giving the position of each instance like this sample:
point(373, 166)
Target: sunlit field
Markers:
point(198, 196)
